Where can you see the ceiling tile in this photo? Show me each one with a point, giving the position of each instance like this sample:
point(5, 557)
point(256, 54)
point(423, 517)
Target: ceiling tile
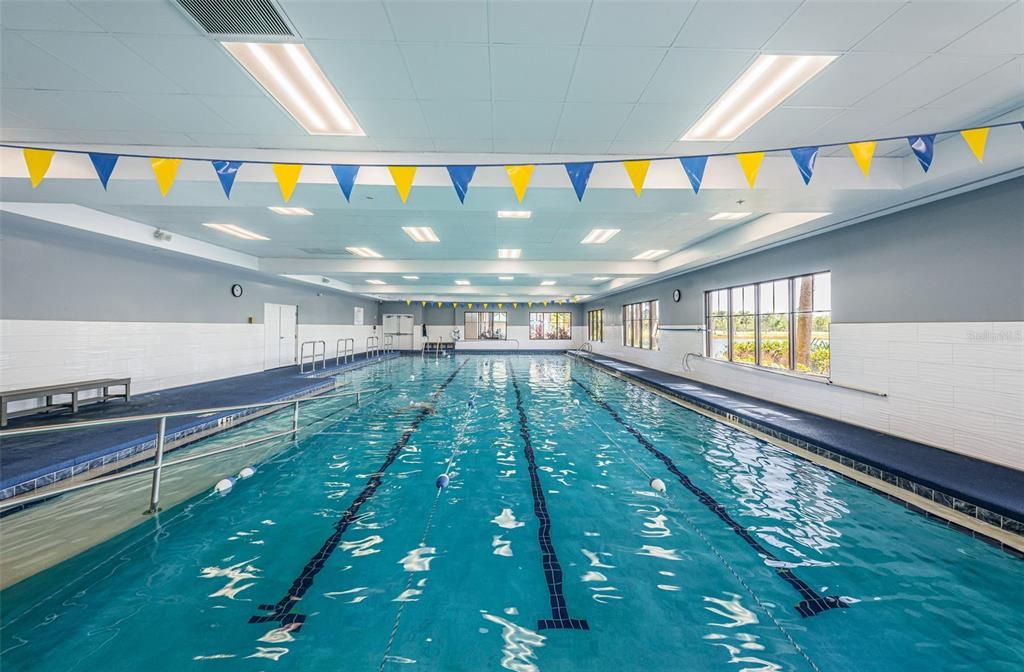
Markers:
point(455, 72)
point(195, 64)
point(253, 114)
point(1002, 34)
point(613, 74)
point(60, 110)
point(106, 61)
point(390, 118)
point(132, 16)
point(854, 125)
point(182, 112)
point(1002, 87)
point(521, 145)
point(559, 22)
point(443, 21)
point(638, 147)
point(363, 20)
point(521, 72)
point(580, 147)
point(467, 119)
point(58, 16)
point(364, 69)
point(635, 22)
point(600, 121)
point(27, 63)
point(695, 77)
point(789, 125)
point(831, 26)
point(664, 123)
point(463, 145)
point(853, 76)
point(931, 79)
point(514, 119)
point(738, 25)
point(929, 26)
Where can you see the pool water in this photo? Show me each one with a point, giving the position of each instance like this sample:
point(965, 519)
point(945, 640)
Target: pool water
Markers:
point(548, 550)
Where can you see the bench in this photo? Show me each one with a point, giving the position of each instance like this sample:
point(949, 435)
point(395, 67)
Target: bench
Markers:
point(47, 393)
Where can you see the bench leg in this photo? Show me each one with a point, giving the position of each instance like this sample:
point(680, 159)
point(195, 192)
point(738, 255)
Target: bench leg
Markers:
point(74, 402)
point(3, 413)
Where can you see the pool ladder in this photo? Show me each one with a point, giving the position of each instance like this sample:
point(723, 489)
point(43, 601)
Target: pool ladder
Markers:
point(311, 358)
point(586, 347)
point(345, 351)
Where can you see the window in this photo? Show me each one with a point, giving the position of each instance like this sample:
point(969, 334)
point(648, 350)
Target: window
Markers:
point(550, 326)
point(595, 325)
point(780, 324)
point(640, 325)
point(485, 326)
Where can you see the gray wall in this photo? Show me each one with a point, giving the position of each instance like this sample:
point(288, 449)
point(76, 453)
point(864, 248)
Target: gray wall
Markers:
point(50, 272)
point(960, 259)
point(446, 315)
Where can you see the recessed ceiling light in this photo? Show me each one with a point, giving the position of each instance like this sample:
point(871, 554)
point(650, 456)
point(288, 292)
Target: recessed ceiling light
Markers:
point(599, 236)
point(730, 215)
point(236, 231)
point(294, 212)
point(363, 252)
point(599, 278)
point(765, 84)
point(547, 283)
point(421, 234)
point(514, 214)
point(410, 277)
point(582, 296)
point(377, 282)
point(506, 277)
point(288, 72)
point(651, 254)
point(509, 253)
point(462, 282)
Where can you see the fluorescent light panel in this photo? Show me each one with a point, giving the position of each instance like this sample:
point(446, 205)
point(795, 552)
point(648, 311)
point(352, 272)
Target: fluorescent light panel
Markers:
point(288, 72)
point(410, 277)
point(236, 231)
point(293, 212)
point(599, 278)
point(547, 283)
point(377, 282)
point(506, 277)
point(599, 236)
point(651, 254)
point(514, 214)
point(462, 282)
point(730, 216)
point(763, 87)
point(363, 252)
point(509, 253)
point(421, 234)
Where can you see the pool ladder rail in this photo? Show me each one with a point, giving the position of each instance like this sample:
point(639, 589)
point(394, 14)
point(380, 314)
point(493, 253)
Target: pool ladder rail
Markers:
point(345, 351)
point(161, 441)
point(586, 347)
point(311, 358)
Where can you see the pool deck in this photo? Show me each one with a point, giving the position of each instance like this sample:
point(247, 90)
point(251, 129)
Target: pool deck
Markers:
point(991, 492)
point(37, 460)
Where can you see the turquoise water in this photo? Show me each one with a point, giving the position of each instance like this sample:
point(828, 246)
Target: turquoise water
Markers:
point(454, 579)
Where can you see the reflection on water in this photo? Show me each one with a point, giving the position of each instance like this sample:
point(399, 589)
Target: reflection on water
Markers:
point(518, 652)
point(418, 559)
point(501, 546)
point(507, 520)
point(361, 547)
point(736, 642)
point(241, 571)
point(659, 552)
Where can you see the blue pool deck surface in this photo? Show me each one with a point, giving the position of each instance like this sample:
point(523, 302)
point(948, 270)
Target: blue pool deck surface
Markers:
point(980, 484)
point(25, 458)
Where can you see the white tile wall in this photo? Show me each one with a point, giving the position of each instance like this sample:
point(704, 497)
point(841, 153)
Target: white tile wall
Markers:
point(955, 385)
point(330, 333)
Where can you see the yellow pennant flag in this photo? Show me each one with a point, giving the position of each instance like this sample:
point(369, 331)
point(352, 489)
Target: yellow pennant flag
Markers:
point(165, 170)
point(408, 302)
point(38, 162)
point(545, 304)
point(519, 176)
point(529, 304)
point(402, 177)
point(423, 304)
point(976, 139)
point(469, 305)
point(514, 306)
point(439, 304)
point(500, 306)
point(485, 306)
point(287, 177)
point(637, 171)
point(863, 152)
point(751, 164)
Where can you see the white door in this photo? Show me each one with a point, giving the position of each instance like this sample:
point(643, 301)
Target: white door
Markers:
point(280, 324)
point(400, 328)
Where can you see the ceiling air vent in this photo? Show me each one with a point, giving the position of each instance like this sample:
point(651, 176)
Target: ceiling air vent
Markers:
point(325, 252)
point(237, 17)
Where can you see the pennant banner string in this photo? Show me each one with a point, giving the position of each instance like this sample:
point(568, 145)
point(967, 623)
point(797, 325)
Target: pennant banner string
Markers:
point(773, 150)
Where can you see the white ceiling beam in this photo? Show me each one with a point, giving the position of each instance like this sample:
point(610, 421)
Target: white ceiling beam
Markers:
point(469, 267)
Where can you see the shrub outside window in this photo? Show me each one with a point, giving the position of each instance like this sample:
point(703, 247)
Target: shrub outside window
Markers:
point(640, 325)
point(485, 326)
point(550, 326)
point(595, 325)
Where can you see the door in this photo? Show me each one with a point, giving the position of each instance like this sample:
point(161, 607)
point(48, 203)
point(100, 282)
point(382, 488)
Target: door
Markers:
point(400, 327)
point(280, 332)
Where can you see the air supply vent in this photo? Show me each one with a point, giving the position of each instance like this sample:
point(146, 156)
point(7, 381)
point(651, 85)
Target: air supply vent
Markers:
point(325, 252)
point(237, 17)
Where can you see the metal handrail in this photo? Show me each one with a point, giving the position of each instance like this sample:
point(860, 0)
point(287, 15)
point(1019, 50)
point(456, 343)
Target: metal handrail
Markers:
point(157, 468)
point(302, 355)
point(372, 345)
point(389, 343)
point(806, 377)
point(343, 355)
point(586, 347)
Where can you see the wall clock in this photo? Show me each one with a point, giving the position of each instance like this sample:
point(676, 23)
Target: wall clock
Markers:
point(236, 290)
point(676, 295)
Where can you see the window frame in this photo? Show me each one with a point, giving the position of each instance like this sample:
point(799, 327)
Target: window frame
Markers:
point(792, 314)
point(595, 325)
point(489, 322)
point(544, 336)
point(633, 322)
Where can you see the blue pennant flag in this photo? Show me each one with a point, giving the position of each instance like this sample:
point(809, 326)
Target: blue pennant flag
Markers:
point(346, 176)
point(579, 175)
point(805, 157)
point(226, 171)
point(104, 165)
point(461, 177)
point(924, 149)
point(694, 166)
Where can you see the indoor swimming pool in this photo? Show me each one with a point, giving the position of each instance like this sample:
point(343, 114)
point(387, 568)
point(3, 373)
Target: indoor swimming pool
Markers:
point(551, 548)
